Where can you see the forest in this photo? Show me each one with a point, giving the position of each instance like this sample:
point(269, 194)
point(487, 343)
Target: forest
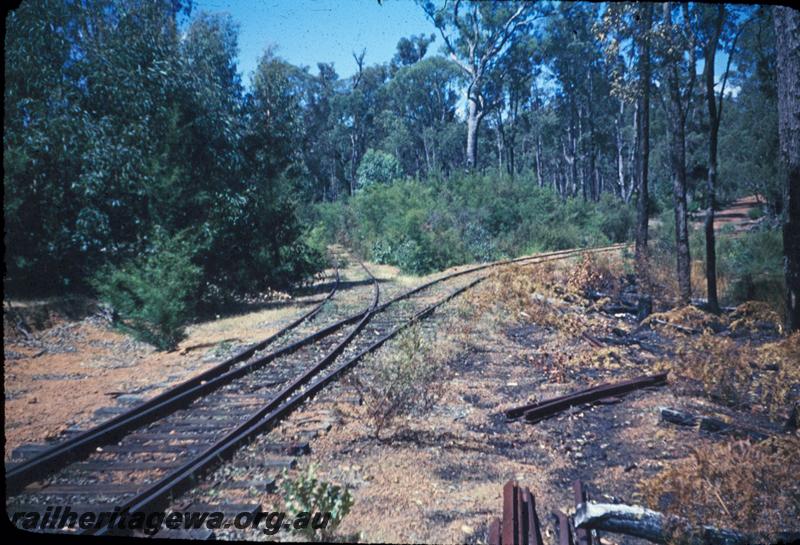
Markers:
point(139, 166)
point(532, 255)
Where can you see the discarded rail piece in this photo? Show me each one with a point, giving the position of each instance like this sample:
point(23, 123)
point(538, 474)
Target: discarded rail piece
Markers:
point(563, 528)
point(535, 412)
point(709, 424)
point(520, 524)
point(212, 418)
point(637, 521)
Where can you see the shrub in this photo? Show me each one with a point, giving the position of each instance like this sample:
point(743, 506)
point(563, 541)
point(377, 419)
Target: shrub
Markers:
point(306, 495)
point(153, 295)
point(400, 381)
point(377, 167)
point(426, 226)
point(752, 265)
point(748, 487)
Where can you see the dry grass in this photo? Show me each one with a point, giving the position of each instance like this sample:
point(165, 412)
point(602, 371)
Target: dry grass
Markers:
point(405, 377)
point(740, 373)
point(595, 273)
point(748, 316)
point(752, 488)
point(524, 294)
point(684, 317)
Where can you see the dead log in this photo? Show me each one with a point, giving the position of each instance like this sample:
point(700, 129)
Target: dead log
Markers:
point(675, 416)
point(625, 341)
point(636, 521)
point(619, 309)
point(583, 536)
point(682, 328)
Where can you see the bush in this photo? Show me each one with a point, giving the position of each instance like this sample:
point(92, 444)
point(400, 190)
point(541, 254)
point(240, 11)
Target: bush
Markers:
point(306, 495)
point(752, 266)
point(426, 226)
point(153, 295)
point(400, 381)
point(377, 167)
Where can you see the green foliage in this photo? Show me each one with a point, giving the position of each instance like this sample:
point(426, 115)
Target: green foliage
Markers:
point(401, 381)
point(153, 295)
point(752, 265)
point(120, 123)
point(307, 494)
point(427, 226)
point(377, 167)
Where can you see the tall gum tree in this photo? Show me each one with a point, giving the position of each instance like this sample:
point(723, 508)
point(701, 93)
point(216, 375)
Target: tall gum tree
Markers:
point(678, 67)
point(716, 32)
point(478, 36)
point(787, 34)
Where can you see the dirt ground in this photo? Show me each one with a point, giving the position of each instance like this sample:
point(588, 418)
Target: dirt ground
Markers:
point(64, 361)
point(436, 476)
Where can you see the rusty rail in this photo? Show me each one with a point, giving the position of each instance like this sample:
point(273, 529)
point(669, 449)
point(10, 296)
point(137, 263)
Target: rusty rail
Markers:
point(535, 412)
point(520, 524)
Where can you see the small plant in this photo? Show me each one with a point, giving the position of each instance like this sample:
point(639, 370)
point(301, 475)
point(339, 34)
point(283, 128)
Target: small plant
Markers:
point(306, 495)
point(402, 380)
point(153, 295)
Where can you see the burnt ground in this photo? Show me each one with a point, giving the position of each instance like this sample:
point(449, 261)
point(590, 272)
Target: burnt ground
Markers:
point(436, 475)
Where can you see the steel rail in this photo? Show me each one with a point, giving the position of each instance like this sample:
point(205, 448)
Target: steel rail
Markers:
point(281, 406)
point(183, 394)
point(109, 430)
point(234, 438)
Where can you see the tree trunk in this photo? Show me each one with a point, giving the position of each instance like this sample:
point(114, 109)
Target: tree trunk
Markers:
point(644, 146)
point(677, 154)
point(787, 33)
point(473, 120)
point(539, 161)
point(711, 187)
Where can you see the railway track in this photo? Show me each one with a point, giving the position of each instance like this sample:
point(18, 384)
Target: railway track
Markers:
point(173, 439)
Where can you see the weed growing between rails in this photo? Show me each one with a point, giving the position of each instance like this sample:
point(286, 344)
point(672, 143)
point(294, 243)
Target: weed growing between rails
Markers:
point(405, 377)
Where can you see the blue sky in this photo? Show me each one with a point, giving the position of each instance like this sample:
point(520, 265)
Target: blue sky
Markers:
point(311, 31)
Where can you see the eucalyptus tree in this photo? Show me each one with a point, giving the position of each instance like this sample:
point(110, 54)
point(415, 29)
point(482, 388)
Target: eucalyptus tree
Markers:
point(716, 30)
point(411, 50)
point(478, 36)
point(631, 80)
point(582, 93)
point(787, 33)
point(421, 103)
point(43, 140)
point(677, 45)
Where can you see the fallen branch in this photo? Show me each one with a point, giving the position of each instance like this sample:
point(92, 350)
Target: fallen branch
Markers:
point(689, 330)
point(644, 523)
point(626, 342)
